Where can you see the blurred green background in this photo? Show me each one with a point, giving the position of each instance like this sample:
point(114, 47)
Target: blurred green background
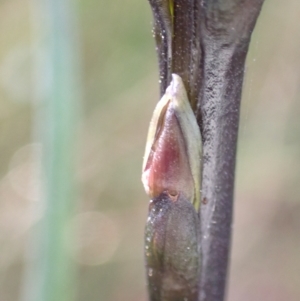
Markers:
point(120, 83)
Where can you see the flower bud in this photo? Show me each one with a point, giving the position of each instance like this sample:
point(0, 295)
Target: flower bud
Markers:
point(172, 156)
point(171, 177)
point(172, 249)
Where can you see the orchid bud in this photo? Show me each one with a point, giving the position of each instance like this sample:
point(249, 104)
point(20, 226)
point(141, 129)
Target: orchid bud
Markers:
point(172, 156)
point(171, 177)
point(172, 249)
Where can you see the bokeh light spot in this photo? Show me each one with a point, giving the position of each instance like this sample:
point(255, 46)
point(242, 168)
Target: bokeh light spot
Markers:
point(97, 238)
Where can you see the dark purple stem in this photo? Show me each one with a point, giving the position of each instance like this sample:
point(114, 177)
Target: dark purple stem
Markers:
point(226, 28)
point(209, 46)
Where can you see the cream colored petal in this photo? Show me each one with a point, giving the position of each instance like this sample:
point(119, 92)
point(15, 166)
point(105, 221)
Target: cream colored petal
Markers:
point(175, 99)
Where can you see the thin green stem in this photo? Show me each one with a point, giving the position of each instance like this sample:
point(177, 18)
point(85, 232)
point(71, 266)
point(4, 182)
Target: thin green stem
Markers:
point(50, 270)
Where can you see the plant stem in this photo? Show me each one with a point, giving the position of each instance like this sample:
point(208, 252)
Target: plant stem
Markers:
point(219, 134)
point(50, 272)
point(226, 29)
point(210, 40)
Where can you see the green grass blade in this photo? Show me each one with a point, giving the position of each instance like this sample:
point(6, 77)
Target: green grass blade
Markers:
point(50, 272)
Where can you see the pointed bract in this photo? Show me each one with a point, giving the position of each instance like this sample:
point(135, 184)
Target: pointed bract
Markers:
point(172, 156)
